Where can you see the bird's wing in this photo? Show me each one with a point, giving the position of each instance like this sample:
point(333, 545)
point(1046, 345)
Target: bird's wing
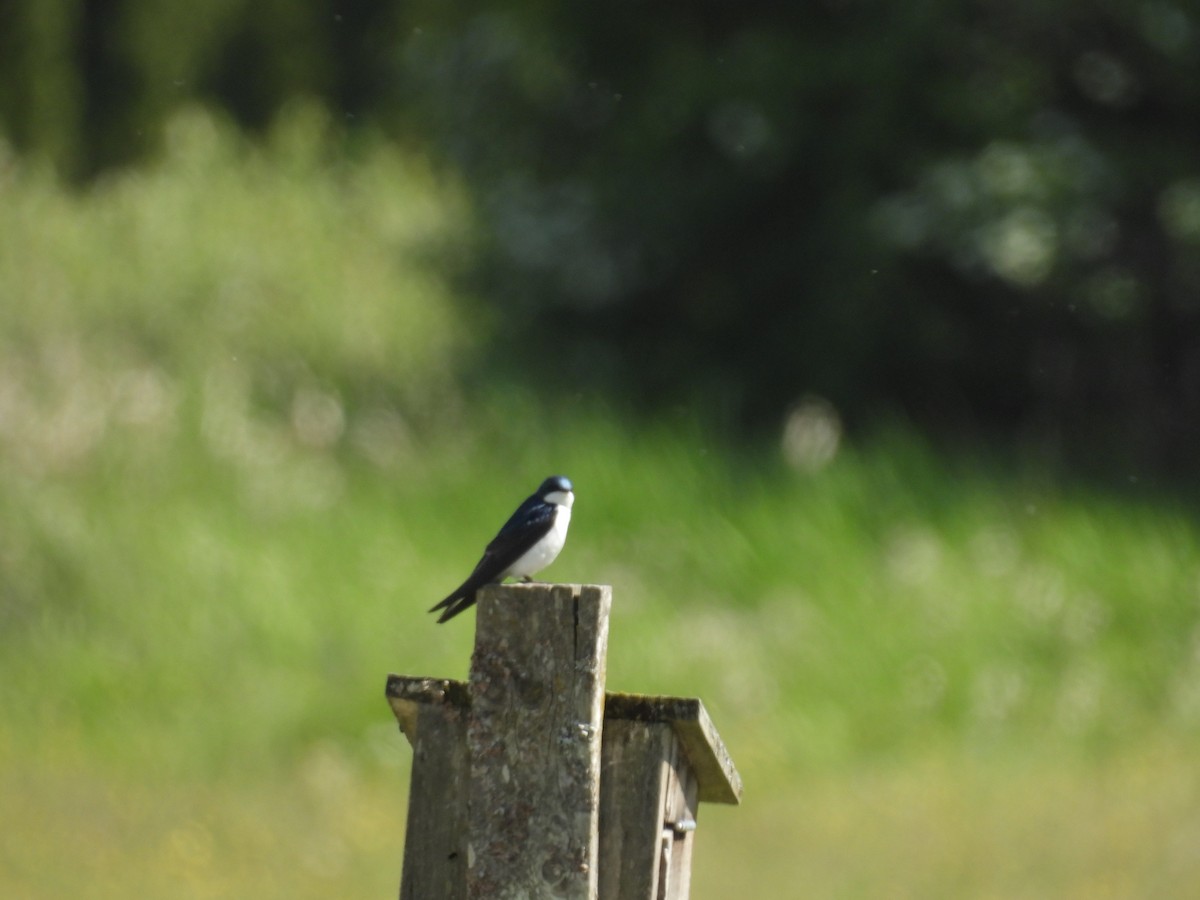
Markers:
point(524, 528)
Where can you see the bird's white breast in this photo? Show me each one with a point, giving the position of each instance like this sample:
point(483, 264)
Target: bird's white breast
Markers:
point(547, 549)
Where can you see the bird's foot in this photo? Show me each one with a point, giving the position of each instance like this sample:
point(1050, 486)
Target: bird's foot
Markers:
point(526, 579)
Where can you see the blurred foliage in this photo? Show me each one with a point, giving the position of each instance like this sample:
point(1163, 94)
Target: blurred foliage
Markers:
point(91, 84)
point(232, 309)
point(192, 262)
point(985, 215)
point(237, 463)
point(980, 213)
point(241, 450)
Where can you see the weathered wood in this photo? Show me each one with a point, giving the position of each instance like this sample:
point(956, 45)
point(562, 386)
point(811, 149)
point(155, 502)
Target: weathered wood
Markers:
point(406, 694)
point(530, 782)
point(680, 808)
point(718, 778)
point(648, 808)
point(534, 736)
point(433, 716)
point(719, 781)
point(631, 807)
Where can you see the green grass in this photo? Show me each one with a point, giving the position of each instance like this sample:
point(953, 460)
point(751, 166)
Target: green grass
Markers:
point(238, 462)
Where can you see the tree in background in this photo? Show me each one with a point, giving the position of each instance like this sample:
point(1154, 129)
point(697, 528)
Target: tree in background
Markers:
point(984, 215)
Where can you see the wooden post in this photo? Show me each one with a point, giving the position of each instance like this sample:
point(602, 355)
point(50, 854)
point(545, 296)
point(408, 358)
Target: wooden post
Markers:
point(433, 716)
point(533, 738)
point(530, 782)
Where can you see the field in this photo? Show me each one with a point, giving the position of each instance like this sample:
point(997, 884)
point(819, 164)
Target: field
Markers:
point(243, 448)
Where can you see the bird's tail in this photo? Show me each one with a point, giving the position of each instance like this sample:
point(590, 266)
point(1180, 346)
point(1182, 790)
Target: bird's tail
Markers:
point(454, 604)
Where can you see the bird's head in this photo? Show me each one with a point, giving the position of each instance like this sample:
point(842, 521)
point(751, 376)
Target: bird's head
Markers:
point(557, 489)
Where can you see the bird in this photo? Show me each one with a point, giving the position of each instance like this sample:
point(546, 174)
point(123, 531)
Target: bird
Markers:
point(529, 541)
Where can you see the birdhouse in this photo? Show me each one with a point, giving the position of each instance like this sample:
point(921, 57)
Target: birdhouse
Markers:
point(529, 780)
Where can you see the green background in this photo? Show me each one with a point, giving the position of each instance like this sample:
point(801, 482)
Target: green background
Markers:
point(280, 348)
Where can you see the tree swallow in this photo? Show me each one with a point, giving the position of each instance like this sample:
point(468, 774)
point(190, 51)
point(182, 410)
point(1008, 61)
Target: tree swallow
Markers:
point(528, 542)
